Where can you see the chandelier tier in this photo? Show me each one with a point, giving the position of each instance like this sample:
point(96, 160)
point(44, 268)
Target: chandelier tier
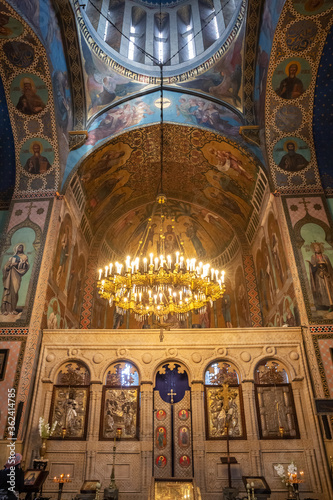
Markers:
point(158, 283)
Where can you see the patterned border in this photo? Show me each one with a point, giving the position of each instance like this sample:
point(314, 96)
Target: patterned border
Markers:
point(312, 54)
point(18, 369)
point(252, 291)
point(19, 122)
point(13, 331)
point(315, 339)
point(73, 56)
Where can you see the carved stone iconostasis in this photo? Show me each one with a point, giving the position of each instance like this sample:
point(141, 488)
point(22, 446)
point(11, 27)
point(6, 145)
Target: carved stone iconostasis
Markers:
point(119, 370)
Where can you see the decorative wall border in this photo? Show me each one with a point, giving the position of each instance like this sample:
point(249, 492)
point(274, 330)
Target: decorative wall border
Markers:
point(315, 339)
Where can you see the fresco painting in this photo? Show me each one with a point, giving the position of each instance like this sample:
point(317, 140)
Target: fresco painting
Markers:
point(62, 254)
point(201, 236)
point(54, 320)
point(292, 78)
point(17, 264)
point(19, 53)
point(36, 156)
point(241, 299)
point(317, 256)
point(270, 19)
point(9, 27)
point(277, 252)
point(75, 283)
point(103, 85)
point(300, 35)
point(292, 154)
point(265, 279)
point(311, 7)
point(288, 118)
point(29, 94)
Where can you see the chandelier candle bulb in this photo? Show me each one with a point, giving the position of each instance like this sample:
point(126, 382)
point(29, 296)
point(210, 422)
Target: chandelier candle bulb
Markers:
point(156, 263)
point(181, 262)
point(106, 271)
point(99, 274)
point(169, 261)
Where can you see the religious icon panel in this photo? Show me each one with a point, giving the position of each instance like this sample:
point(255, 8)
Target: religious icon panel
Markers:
point(224, 412)
point(119, 410)
point(70, 410)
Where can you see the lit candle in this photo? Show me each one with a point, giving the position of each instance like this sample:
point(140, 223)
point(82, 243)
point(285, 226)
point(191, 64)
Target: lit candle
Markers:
point(155, 299)
point(110, 267)
point(106, 271)
point(161, 295)
point(180, 295)
point(161, 260)
point(169, 261)
point(149, 293)
point(128, 259)
point(181, 262)
point(216, 274)
point(145, 265)
point(136, 264)
point(100, 274)
point(188, 264)
point(156, 263)
point(212, 273)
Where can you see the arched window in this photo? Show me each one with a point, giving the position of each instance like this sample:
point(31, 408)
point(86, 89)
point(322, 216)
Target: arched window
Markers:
point(120, 402)
point(70, 401)
point(224, 403)
point(275, 403)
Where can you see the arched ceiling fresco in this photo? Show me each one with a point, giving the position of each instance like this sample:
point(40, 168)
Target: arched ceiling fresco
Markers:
point(210, 179)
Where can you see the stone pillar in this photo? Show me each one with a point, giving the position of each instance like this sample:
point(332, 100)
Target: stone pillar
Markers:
point(198, 40)
point(149, 42)
point(95, 402)
point(252, 429)
point(173, 37)
point(102, 23)
point(299, 407)
point(146, 434)
point(198, 432)
point(219, 16)
point(127, 23)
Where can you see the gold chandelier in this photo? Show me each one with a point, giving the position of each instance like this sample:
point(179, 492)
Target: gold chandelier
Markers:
point(155, 283)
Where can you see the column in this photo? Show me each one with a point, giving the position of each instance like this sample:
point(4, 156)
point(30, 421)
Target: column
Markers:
point(198, 40)
point(149, 43)
point(95, 402)
point(173, 37)
point(252, 429)
point(198, 432)
point(219, 16)
point(146, 433)
point(127, 23)
point(102, 23)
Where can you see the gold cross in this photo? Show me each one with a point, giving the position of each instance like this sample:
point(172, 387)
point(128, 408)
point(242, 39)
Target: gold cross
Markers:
point(225, 394)
point(172, 394)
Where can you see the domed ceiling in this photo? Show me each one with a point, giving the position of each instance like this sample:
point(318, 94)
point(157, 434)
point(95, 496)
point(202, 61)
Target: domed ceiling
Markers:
point(208, 179)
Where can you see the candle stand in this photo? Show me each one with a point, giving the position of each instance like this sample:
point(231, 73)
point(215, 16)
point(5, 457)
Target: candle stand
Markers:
point(111, 493)
point(61, 480)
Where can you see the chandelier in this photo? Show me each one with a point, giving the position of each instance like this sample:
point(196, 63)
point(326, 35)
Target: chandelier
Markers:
point(157, 284)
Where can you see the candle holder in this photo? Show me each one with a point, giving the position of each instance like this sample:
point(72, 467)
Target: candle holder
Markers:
point(61, 480)
point(250, 491)
point(293, 483)
point(111, 493)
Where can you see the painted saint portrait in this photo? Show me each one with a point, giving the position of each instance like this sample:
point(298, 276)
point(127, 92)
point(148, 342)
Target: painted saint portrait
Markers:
point(161, 415)
point(291, 78)
point(29, 94)
point(321, 277)
point(14, 270)
point(292, 154)
point(36, 156)
point(161, 437)
point(184, 461)
point(183, 437)
point(183, 414)
point(9, 27)
point(161, 461)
